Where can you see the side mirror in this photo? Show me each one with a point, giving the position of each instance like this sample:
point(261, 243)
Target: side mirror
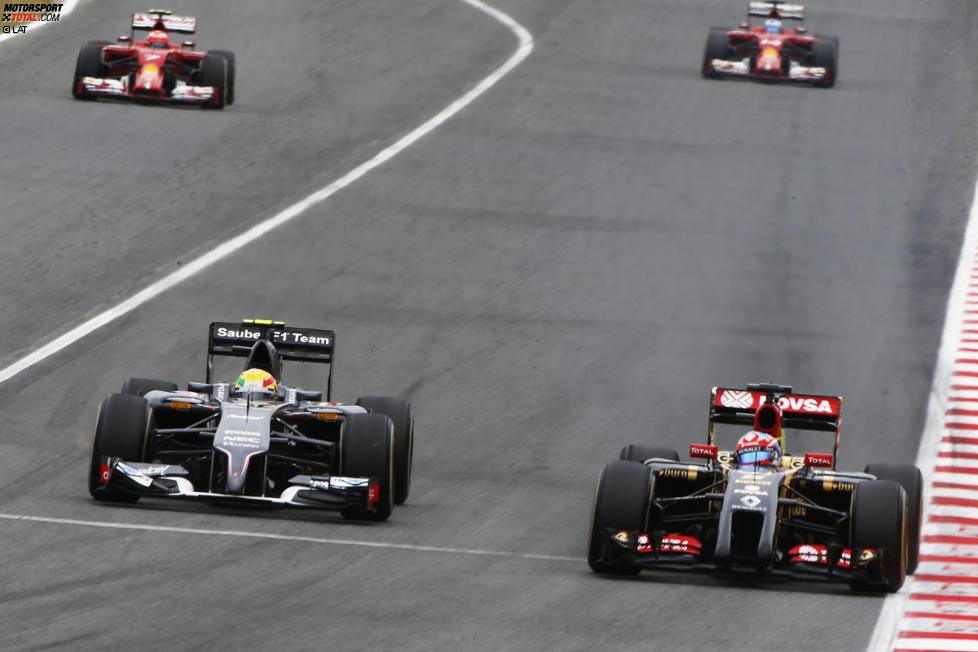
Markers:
point(818, 459)
point(801, 30)
point(745, 26)
point(189, 45)
point(124, 39)
point(703, 450)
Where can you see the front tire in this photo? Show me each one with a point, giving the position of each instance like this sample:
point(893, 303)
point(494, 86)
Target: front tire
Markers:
point(214, 72)
point(402, 415)
point(717, 47)
point(367, 450)
point(140, 386)
point(88, 64)
point(228, 56)
point(639, 453)
point(911, 479)
point(825, 54)
point(621, 502)
point(122, 429)
point(878, 521)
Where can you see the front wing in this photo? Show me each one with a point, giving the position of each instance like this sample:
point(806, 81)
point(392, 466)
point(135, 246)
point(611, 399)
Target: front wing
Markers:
point(676, 551)
point(331, 492)
point(741, 68)
point(182, 93)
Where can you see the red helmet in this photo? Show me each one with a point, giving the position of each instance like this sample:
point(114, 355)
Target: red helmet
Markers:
point(158, 39)
point(756, 449)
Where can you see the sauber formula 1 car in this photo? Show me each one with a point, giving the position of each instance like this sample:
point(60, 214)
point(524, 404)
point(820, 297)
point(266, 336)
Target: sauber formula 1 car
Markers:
point(155, 70)
point(798, 516)
point(771, 52)
point(255, 441)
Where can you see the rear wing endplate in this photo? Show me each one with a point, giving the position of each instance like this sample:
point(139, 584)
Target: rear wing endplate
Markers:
point(171, 23)
point(738, 406)
point(235, 339)
point(786, 11)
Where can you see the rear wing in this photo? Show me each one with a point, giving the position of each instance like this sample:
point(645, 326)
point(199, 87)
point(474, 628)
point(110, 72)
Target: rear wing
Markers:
point(154, 17)
point(800, 411)
point(787, 11)
point(236, 339)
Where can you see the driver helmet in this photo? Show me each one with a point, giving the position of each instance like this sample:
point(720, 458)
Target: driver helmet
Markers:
point(256, 384)
point(772, 25)
point(158, 39)
point(757, 449)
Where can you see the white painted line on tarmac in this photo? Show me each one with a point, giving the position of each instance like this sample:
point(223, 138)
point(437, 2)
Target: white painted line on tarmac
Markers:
point(225, 249)
point(886, 634)
point(287, 537)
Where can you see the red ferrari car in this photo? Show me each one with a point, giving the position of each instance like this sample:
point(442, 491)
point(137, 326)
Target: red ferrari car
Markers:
point(155, 69)
point(772, 52)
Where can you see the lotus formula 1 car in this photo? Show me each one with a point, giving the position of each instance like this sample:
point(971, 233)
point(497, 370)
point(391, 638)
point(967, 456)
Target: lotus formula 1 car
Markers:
point(155, 70)
point(771, 52)
point(750, 511)
point(254, 441)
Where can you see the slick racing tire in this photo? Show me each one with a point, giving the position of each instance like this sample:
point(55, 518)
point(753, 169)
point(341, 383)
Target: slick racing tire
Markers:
point(214, 72)
point(621, 502)
point(825, 54)
point(639, 453)
point(140, 386)
point(911, 479)
point(229, 58)
point(367, 450)
point(88, 64)
point(402, 415)
point(122, 429)
point(878, 521)
point(717, 47)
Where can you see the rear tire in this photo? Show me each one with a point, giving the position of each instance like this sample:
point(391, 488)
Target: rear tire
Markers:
point(122, 429)
point(878, 521)
point(911, 479)
point(140, 386)
point(717, 47)
point(402, 415)
point(88, 64)
point(367, 450)
point(621, 502)
point(639, 453)
point(214, 72)
point(229, 58)
point(825, 54)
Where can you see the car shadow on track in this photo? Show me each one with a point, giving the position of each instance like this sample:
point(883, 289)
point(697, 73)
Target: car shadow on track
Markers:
point(148, 506)
point(741, 582)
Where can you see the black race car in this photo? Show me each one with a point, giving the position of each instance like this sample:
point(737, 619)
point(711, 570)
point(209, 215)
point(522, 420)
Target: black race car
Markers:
point(254, 441)
point(795, 516)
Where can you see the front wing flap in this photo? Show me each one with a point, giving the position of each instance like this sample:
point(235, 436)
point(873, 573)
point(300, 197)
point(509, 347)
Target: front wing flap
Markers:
point(676, 550)
point(171, 481)
point(182, 92)
point(741, 68)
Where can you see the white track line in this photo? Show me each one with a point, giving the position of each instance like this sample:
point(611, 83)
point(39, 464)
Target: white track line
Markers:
point(287, 537)
point(227, 248)
point(885, 632)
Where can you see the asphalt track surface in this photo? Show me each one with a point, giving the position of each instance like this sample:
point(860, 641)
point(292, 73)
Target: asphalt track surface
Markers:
point(566, 266)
